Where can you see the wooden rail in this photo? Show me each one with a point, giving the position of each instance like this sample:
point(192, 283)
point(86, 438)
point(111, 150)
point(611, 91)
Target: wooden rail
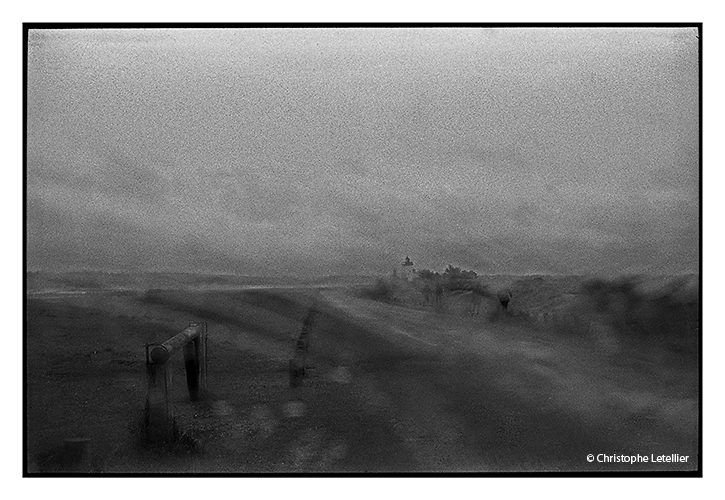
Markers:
point(160, 423)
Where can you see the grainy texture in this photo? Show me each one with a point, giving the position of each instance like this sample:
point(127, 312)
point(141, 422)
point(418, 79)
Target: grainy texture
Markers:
point(388, 388)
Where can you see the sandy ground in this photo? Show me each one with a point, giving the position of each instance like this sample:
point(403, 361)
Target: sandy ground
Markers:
point(389, 388)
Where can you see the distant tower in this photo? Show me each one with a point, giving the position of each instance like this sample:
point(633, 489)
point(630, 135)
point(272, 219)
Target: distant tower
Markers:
point(407, 271)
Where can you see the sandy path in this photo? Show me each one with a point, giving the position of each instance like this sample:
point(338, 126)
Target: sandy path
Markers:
point(394, 389)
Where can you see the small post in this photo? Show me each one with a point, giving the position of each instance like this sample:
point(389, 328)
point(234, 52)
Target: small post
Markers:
point(201, 356)
point(159, 407)
point(191, 365)
point(296, 371)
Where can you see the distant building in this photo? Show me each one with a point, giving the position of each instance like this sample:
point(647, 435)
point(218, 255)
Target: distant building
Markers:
point(407, 272)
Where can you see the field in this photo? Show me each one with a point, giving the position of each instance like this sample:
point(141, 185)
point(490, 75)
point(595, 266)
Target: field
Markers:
point(398, 386)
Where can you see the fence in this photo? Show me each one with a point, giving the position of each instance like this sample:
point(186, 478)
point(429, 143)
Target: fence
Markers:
point(159, 421)
point(298, 362)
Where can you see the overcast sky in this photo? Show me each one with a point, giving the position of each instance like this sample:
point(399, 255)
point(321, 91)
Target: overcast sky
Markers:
point(320, 151)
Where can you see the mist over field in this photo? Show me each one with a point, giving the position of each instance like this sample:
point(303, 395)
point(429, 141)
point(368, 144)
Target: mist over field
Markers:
point(322, 151)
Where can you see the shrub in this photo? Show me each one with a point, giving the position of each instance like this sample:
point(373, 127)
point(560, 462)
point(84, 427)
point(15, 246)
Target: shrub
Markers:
point(427, 274)
point(632, 310)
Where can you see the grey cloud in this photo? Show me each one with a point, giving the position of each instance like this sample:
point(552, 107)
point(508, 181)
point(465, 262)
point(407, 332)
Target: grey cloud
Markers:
point(99, 169)
point(331, 151)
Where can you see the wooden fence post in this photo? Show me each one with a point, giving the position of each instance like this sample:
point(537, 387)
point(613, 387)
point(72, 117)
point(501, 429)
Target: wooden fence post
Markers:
point(191, 365)
point(159, 418)
point(297, 370)
point(159, 407)
point(201, 356)
point(298, 362)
